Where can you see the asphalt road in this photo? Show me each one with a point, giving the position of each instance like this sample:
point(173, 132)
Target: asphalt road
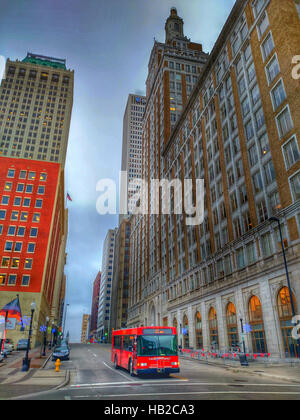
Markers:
point(93, 377)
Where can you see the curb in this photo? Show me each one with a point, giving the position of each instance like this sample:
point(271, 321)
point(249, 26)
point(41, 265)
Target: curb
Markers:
point(239, 370)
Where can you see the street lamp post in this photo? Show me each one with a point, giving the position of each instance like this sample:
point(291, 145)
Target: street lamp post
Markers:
point(275, 219)
point(45, 336)
point(26, 360)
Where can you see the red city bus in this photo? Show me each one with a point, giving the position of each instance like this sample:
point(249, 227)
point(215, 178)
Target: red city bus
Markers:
point(145, 350)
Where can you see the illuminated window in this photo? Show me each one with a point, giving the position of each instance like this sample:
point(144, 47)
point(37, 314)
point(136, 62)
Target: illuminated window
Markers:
point(2, 279)
point(15, 263)
point(24, 216)
point(5, 262)
point(31, 175)
point(14, 215)
point(198, 331)
point(232, 329)
point(257, 326)
point(28, 263)
point(8, 186)
point(285, 317)
point(36, 217)
point(43, 177)
point(213, 328)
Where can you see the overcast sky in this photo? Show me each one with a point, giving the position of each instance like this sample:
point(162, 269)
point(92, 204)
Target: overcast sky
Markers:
point(108, 44)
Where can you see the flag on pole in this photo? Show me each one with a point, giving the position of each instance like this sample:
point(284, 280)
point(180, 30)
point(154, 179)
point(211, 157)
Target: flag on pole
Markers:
point(12, 309)
point(69, 197)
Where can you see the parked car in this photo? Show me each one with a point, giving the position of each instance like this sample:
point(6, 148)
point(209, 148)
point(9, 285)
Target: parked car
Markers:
point(22, 344)
point(10, 342)
point(61, 353)
point(8, 348)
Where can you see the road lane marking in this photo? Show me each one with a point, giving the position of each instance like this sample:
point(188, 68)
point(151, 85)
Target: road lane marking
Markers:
point(156, 383)
point(160, 394)
point(112, 384)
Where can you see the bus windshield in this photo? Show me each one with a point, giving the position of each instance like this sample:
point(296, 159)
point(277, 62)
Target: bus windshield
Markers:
point(157, 345)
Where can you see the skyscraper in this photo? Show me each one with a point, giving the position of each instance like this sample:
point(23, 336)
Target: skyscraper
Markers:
point(173, 71)
point(132, 147)
point(104, 311)
point(36, 97)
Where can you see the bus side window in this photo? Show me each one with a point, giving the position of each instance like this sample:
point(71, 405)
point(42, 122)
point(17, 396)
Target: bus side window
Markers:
point(125, 342)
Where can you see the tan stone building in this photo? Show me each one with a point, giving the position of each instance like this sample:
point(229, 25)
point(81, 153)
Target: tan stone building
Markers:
point(85, 328)
point(240, 132)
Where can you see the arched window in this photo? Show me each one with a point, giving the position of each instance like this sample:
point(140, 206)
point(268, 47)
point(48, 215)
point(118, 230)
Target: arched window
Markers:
point(175, 324)
point(185, 332)
point(213, 328)
point(258, 338)
point(285, 318)
point(231, 320)
point(198, 331)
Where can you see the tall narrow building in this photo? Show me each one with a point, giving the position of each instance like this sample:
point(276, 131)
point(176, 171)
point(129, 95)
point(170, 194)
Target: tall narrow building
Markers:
point(132, 149)
point(36, 98)
point(173, 71)
point(105, 295)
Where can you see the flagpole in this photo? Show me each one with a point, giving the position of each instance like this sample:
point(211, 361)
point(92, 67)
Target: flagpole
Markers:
point(3, 339)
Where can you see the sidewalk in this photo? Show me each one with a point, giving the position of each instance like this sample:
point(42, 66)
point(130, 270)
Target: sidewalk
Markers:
point(283, 371)
point(15, 383)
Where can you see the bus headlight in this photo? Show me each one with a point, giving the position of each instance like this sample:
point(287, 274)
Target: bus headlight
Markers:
point(143, 364)
point(174, 363)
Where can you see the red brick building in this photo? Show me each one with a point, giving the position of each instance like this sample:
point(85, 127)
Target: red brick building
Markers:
point(31, 232)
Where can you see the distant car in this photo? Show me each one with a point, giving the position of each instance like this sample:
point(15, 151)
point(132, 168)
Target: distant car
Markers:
point(22, 344)
point(61, 353)
point(10, 342)
point(8, 348)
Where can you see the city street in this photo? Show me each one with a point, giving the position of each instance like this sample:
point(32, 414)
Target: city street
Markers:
point(94, 377)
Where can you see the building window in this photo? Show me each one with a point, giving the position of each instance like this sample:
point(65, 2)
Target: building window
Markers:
point(2, 279)
point(5, 200)
point(11, 173)
point(278, 95)
point(198, 331)
point(231, 321)
point(291, 152)
point(269, 172)
point(267, 46)
point(30, 248)
point(213, 329)
point(295, 186)
point(272, 69)
point(285, 316)
point(5, 262)
point(25, 280)
point(257, 325)
point(8, 186)
point(284, 122)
